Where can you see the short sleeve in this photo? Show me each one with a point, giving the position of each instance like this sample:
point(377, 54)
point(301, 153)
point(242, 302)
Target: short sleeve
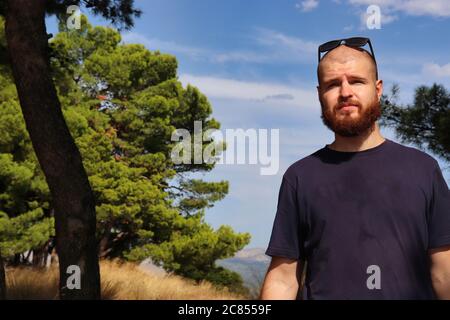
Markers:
point(284, 240)
point(439, 215)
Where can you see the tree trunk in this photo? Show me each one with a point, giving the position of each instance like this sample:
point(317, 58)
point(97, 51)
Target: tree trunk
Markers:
point(17, 260)
point(2, 279)
point(39, 257)
point(58, 156)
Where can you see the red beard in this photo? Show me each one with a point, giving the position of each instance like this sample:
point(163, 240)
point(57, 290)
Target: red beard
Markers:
point(348, 126)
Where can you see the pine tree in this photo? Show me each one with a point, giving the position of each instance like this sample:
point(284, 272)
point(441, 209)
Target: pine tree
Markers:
point(121, 103)
point(425, 123)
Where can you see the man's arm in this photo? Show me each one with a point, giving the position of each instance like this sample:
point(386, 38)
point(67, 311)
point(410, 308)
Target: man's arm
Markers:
point(282, 279)
point(440, 271)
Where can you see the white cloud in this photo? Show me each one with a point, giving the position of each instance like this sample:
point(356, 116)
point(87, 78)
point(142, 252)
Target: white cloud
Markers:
point(163, 46)
point(284, 42)
point(307, 5)
point(280, 96)
point(436, 8)
point(384, 19)
point(401, 77)
point(194, 52)
point(274, 47)
point(241, 56)
point(348, 28)
point(216, 87)
point(390, 9)
point(439, 8)
point(436, 70)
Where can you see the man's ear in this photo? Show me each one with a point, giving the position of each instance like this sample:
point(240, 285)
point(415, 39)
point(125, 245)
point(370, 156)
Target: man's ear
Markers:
point(379, 88)
point(319, 93)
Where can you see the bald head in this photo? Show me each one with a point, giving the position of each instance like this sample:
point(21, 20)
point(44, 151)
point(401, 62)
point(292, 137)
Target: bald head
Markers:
point(344, 56)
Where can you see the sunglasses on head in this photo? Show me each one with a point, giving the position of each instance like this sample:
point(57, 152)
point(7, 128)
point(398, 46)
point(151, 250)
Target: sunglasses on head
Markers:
point(355, 42)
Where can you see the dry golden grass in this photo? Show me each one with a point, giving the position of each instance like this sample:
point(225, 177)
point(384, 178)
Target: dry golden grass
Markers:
point(119, 281)
point(27, 284)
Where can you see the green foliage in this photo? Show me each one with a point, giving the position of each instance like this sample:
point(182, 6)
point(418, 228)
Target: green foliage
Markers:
point(425, 123)
point(193, 255)
point(25, 223)
point(119, 12)
point(121, 103)
point(27, 231)
point(200, 194)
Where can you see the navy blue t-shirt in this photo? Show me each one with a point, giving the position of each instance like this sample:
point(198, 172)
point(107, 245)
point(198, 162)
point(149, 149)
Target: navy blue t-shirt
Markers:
point(363, 221)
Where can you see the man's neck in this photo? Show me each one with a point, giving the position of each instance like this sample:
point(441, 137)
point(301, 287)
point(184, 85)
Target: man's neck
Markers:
point(369, 140)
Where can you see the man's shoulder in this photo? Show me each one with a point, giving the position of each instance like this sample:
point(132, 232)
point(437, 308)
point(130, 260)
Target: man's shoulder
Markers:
point(305, 164)
point(398, 154)
point(408, 154)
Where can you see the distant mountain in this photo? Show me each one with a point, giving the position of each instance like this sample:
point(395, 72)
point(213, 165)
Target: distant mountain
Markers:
point(251, 264)
point(148, 266)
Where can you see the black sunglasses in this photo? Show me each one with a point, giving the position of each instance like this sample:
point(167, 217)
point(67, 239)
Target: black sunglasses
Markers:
point(355, 42)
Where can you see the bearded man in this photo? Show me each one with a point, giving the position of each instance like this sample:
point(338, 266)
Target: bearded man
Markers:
point(369, 217)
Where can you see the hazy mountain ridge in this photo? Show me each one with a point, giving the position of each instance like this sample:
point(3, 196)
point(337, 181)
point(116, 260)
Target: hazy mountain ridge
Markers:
point(251, 264)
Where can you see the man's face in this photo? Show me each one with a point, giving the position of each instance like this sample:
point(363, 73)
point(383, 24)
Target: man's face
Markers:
point(348, 92)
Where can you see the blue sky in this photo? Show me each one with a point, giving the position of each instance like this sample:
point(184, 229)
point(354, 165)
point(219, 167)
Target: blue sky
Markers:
point(256, 60)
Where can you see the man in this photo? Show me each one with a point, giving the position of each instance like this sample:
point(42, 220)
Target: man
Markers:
point(370, 217)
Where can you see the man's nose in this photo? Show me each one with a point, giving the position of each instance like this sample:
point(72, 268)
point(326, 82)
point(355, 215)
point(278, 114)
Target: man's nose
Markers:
point(346, 90)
